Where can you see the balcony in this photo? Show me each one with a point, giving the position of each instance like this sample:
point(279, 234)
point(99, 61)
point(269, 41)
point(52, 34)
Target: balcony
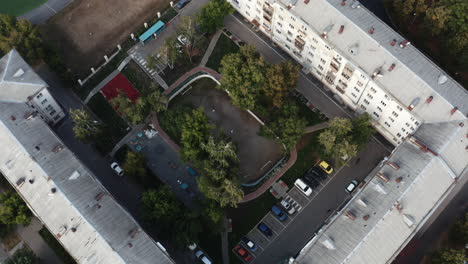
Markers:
point(266, 27)
point(267, 19)
point(268, 10)
point(339, 89)
point(299, 43)
point(334, 67)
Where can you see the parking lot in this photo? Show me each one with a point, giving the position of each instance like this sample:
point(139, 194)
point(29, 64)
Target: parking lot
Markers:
point(297, 199)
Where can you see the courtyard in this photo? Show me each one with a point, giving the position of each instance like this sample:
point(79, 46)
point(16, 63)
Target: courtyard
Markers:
point(256, 154)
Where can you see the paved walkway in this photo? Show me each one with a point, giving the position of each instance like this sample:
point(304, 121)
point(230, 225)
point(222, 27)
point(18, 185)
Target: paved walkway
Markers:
point(251, 196)
point(124, 140)
point(162, 133)
point(42, 13)
point(224, 241)
point(314, 128)
point(101, 85)
point(152, 73)
point(211, 47)
point(30, 235)
point(189, 74)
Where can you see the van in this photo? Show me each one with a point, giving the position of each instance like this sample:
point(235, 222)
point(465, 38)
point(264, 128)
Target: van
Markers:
point(300, 184)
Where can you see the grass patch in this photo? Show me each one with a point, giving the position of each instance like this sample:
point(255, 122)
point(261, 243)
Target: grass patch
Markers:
point(306, 157)
point(19, 7)
point(56, 246)
point(223, 47)
point(115, 127)
point(138, 78)
point(210, 242)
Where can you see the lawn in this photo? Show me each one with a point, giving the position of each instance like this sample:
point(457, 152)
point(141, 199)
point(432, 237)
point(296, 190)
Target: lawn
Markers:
point(56, 246)
point(115, 126)
point(223, 47)
point(139, 79)
point(19, 7)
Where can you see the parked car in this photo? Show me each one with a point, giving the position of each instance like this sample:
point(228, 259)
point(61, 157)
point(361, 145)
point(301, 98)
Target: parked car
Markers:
point(352, 186)
point(318, 173)
point(243, 253)
point(249, 243)
point(326, 167)
point(183, 40)
point(201, 256)
point(289, 208)
point(265, 229)
point(311, 179)
point(182, 3)
point(279, 213)
point(300, 184)
point(115, 166)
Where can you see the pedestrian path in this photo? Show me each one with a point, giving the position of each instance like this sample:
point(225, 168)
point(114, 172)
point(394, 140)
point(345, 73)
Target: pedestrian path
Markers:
point(124, 140)
point(211, 47)
point(224, 241)
point(98, 87)
point(160, 65)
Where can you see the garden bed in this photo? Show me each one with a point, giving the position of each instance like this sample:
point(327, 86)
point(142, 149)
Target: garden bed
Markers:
point(223, 47)
point(140, 80)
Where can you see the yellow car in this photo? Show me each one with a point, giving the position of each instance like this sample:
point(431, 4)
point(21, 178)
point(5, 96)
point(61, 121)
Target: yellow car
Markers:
point(326, 167)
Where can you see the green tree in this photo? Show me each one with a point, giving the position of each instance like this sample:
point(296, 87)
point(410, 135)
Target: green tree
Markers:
point(23, 256)
point(187, 29)
point(21, 35)
point(225, 191)
point(156, 101)
point(289, 130)
point(213, 211)
point(13, 210)
point(362, 129)
point(459, 15)
point(449, 256)
point(282, 79)
point(437, 18)
point(221, 153)
point(195, 131)
point(170, 51)
point(161, 204)
point(85, 127)
point(135, 112)
point(243, 76)
point(459, 232)
point(187, 228)
point(211, 15)
point(337, 140)
point(135, 166)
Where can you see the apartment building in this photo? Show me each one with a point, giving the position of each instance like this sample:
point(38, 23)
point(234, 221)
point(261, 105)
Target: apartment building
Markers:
point(364, 62)
point(58, 188)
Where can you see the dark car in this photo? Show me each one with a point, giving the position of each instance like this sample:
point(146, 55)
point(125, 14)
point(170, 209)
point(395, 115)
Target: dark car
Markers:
point(318, 173)
point(250, 244)
point(279, 213)
point(311, 180)
point(243, 253)
point(265, 229)
point(182, 3)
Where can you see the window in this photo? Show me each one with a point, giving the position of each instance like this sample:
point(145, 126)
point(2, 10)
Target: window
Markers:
point(56, 117)
point(387, 124)
point(318, 73)
point(353, 95)
point(399, 108)
point(383, 103)
point(398, 135)
point(360, 84)
point(394, 114)
point(309, 61)
point(370, 96)
point(53, 112)
point(328, 48)
point(258, 10)
point(365, 101)
point(377, 115)
point(293, 18)
point(313, 47)
point(373, 90)
point(363, 76)
point(356, 89)
point(278, 31)
point(391, 119)
point(363, 107)
point(39, 96)
point(386, 96)
point(412, 128)
point(289, 33)
point(380, 109)
point(311, 54)
point(402, 129)
point(288, 39)
point(320, 67)
point(248, 7)
point(407, 124)
point(291, 26)
point(314, 40)
point(280, 17)
point(412, 118)
point(416, 123)
point(287, 47)
point(322, 60)
point(44, 101)
point(279, 24)
point(247, 13)
point(49, 108)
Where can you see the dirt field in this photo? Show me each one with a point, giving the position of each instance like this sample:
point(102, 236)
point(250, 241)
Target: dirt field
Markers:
point(256, 154)
point(87, 30)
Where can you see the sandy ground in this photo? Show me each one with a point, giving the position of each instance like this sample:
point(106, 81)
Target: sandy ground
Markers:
point(87, 30)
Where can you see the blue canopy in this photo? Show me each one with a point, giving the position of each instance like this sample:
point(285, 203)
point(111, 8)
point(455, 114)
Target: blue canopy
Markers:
point(155, 28)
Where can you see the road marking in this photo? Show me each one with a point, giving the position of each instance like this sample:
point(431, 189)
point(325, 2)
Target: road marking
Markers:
point(51, 8)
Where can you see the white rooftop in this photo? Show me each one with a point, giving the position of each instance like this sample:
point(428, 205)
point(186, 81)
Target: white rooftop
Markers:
point(415, 76)
point(395, 209)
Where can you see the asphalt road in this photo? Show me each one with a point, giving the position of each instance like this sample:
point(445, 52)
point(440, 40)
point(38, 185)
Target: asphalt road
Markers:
point(291, 236)
point(40, 14)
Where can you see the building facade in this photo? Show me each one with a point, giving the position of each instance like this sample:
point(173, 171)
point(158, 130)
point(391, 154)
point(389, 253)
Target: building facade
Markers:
point(367, 65)
point(58, 188)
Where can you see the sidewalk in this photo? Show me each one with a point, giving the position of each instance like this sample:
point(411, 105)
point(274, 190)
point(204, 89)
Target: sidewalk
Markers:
point(30, 235)
point(211, 47)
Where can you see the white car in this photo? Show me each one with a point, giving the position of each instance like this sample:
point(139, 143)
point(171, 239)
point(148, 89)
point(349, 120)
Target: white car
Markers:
point(303, 187)
point(289, 208)
point(183, 40)
point(351, 186)
point(115, 166)
point(201, 256)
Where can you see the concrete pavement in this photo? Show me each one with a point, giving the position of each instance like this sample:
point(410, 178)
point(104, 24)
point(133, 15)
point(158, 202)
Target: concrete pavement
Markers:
point(42, 13)
point(210, 48)
point(30, 235)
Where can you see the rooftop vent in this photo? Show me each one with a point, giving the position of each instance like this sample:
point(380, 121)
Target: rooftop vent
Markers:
point(328, 243)
point(99, 196)
point(57, 148)
point(371, 30)
point(453, 110)
point(73, 229)
point(399, 179)
point(354, 49)
point(20, 181)
point(362, 202)
point(19, 73)
point(356, 4)
point(429, 99)
point(341, 29)
point(366, 217)
point(408, 219)
point(350, 214)
point(379, 188)
point(404, 43)
point(382, 176)
point(306, 1)
point(393, 165)
point(393, 42)
point(442, 79)
point(343, 2)
point(53, 191)
point(414, 103)
point(392, 67)
point(399, 207)
point(75, 175)
point(13, 118)
point(377, 73)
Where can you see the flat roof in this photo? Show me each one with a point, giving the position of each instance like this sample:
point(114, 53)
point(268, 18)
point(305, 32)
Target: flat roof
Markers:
point(153, 29)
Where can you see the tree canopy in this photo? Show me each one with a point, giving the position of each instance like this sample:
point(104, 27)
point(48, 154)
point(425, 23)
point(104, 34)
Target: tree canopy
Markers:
point(85, 127)
point(243, 76)
point(13, 210)
point(449, 256)
point(211, 15)
point(21, 35)
point(195, 131)
point(23, 256)
point(282, 79)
